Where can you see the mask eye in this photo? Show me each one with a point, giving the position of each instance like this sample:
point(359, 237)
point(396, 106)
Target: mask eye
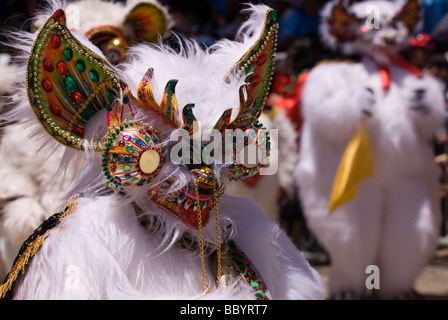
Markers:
point(250, 153)
point(115, 50)
point(131, 155)
point(113, 55)
point(110, 40)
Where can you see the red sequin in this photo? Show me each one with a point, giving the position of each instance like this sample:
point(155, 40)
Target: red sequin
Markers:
point(55, 110)
point(62, 68)
point(121, 143)
point(48, 65)
point(77, 98)
point(55, 41)
point(58, 15)
point(256, 79)
point(78, 131)
point(261, 59)
point(192, 217)
point(46, 84)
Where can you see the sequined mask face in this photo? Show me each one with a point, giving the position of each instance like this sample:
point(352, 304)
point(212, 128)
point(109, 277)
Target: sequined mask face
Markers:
point(192, 203)
point(69, 84)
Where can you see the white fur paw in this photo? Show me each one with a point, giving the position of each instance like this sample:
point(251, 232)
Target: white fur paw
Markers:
point(367, 101)
point(419, 102)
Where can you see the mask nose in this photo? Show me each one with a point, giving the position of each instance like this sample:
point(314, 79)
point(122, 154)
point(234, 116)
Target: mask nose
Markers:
point(204, 173)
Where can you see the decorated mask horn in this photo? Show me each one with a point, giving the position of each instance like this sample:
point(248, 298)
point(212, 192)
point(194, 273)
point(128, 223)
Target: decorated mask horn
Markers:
point(256, 67)
point(68, 84)
point(341, 23)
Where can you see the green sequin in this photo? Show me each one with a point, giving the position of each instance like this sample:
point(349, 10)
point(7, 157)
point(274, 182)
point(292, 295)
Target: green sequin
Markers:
point(94, 76)
point(110, 95)
point(89, 113)
point(130, 149)
point(80, 66)
point(274, 15)
point(69, 83)
point(67, 54)
point(249, 68)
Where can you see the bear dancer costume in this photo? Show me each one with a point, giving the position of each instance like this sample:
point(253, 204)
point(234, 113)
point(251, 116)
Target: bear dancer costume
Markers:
point(367, 178)
point(138, 224)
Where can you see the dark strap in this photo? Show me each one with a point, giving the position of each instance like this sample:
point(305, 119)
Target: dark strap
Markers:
point(31, 246)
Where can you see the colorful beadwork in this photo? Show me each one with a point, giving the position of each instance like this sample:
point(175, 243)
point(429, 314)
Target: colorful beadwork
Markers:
point(67, 83)
point(240, 170)
point(248, 272)
point(131, 155)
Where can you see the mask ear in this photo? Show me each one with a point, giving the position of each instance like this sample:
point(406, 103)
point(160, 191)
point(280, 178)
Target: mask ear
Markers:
point(146, 22)
point(68, 84)
point(110, 40)
point(342, 23)
point(256, 66)
point(409, 14)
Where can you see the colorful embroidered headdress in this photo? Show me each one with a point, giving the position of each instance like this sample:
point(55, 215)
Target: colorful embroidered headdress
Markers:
point(68, 84)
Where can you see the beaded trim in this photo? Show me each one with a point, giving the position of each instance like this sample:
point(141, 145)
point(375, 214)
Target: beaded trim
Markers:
point(32, 245)
point(249, 273)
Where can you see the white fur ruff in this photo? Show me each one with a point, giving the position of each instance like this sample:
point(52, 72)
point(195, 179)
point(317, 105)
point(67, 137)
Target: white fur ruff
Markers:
point(102, 252)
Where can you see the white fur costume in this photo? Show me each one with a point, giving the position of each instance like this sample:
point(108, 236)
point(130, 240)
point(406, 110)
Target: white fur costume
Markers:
point(101, 251)
point(33, 195)
point(394, 220)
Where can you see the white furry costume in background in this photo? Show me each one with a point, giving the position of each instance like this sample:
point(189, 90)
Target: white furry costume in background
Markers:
point(393, 221)
point(100, 250)
point(31, 195)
